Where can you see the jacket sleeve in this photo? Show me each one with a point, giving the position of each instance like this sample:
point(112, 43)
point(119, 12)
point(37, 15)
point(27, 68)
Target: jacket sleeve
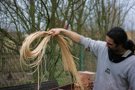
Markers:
point(92, 45)
point(131, 77)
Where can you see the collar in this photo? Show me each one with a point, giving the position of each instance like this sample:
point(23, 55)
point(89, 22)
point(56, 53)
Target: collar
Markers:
point(126, 53)
point(119, 58)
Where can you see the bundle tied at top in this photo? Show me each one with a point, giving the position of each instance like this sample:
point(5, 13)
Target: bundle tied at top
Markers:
point(37, 54)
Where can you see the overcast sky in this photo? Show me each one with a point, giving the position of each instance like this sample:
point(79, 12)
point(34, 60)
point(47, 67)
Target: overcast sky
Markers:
point(130, 18)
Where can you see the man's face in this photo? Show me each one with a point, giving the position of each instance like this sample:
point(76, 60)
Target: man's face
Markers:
point(111, 45)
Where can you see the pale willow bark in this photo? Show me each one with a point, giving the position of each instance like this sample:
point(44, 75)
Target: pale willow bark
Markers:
point(27, 53)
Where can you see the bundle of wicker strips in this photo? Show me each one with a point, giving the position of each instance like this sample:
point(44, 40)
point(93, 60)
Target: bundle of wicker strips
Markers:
point(26, 53)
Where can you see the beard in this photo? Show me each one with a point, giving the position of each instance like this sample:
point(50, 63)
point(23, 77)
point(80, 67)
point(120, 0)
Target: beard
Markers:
point(112, 51)
point(113, 55)
point(116, 50)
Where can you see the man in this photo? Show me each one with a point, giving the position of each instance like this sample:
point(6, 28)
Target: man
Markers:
point(115, 58)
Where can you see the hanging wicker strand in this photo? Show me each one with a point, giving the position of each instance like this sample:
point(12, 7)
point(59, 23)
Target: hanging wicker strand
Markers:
point(27, 53)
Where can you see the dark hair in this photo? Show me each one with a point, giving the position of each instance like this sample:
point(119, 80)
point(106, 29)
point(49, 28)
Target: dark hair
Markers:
point(119, 36)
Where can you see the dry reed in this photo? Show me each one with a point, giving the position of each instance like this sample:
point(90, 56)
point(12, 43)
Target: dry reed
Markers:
point(27, 53)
